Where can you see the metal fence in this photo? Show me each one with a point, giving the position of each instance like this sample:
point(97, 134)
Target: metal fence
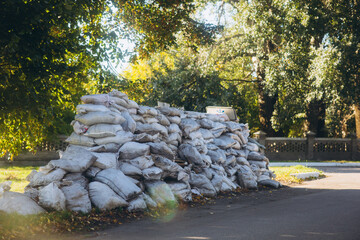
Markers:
point(310, 148)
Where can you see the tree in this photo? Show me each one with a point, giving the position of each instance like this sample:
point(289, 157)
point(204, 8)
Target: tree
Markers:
point(51, 54)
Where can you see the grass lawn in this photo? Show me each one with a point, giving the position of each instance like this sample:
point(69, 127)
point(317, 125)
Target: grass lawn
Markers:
point(17, 175)
point(283, 173)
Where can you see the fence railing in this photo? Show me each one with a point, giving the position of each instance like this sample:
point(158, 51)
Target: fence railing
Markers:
point(310, 148)
point(277, 149)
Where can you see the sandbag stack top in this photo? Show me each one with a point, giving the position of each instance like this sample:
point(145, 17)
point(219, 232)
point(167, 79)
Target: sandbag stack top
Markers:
point(125, 155)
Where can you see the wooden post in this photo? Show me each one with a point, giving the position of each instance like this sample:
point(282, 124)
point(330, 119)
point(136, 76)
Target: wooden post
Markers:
point(310, 140)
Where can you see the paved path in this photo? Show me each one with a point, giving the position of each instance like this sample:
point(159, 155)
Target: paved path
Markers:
point(328, 209)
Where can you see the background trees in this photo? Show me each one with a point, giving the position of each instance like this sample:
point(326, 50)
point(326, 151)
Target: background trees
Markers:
point(287, 66)
point(51, 52)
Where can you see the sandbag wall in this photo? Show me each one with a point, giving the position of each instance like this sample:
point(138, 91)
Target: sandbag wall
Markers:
point(125, 155)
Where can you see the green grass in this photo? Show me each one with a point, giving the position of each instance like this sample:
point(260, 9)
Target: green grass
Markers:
point(283, 173)
point(17, 175)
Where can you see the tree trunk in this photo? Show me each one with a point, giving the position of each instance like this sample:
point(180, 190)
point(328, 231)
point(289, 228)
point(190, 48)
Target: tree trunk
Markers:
point(266, 109)
point(315, 118)
point(357, 119)
point(266, 102)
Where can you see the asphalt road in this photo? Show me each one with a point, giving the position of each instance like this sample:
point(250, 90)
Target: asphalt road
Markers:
point(328, 209)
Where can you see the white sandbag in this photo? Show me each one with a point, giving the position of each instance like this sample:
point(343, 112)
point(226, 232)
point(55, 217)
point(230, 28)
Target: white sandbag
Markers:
point(150, 203)
point(194, 135)
point(137, 118)
point(144, 138)
point(150, 120)
point(174, 119)
point(5, 187)
point(163, 120)
point(233, 136)
point(231, 171)
point(194, 115)
point(217, 156)
point(233, 126)
point(151, 129)
point(13, 202)
point(117, 108)
point(152, 173)
point(104, 198)
point(132, 150)
point(80, 140)
point(92, 171)
point(77, 198)
point(32, 193)
point(255, 156)
point(85, 108)
point(160, 192)
point(132, 111)
point(74, 159)
point(123, 103)
point(144, 110)
point(219, 126)
point(230, 160)
point(217, 181)
point(162, 149)
point(232, 152)
point(130, 124)
point(188, 125)
point(214, 117)
point(244, 139)
point(181, 191)
point(52, 198)
point(252, 147)
point(206, 159)
point(132, 105)
point(191, 154)
point(224, 142)
point(92, 118)
point(212, 147)
point(142, 162)
point(103, 99)
point(170, 111)
point(169, 167)
point(174, 128)
point(120, 138)
point(79, 128)
point(246, 177)
point(76, 178)
point(183, 176)
point(118, 182)
point(206, 123)
point(202, 184)
point(117, 93)
point(103, 130)
point(270, 183)
point(260, 164)
point(206, 134)
point(129, 169)
point(42, 179)
point(242, 161)
point(109, 147)
point(137, 204)
point(106, 160)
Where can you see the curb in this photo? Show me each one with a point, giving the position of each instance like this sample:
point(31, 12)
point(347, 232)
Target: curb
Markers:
point(313, 164)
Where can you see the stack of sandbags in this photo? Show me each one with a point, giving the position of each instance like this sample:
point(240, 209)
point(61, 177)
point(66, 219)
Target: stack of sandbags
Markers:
point(220, 154)
point(125, 155)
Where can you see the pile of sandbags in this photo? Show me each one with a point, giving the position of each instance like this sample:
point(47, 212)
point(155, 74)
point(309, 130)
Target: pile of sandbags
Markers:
point(125, 155)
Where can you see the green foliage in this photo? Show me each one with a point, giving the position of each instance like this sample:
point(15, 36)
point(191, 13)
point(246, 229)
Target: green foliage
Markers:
point(51, 54)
